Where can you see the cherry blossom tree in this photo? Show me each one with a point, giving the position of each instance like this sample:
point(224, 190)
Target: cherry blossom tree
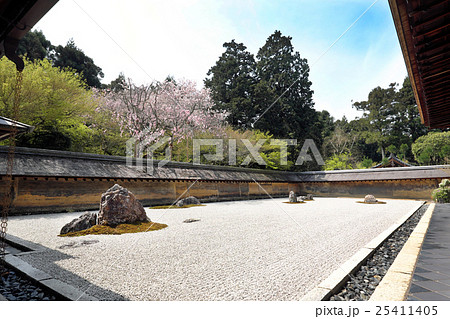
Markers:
point(173, 109)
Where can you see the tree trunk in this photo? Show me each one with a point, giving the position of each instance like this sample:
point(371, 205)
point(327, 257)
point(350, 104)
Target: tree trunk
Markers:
point(171, 146)
point(187, 149)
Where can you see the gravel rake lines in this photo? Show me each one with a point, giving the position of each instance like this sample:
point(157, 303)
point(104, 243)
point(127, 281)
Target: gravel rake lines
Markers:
point(240, 250)
point(136, 240)
point(327, 254)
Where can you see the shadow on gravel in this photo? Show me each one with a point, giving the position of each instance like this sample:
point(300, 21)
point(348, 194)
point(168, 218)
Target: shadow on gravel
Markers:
point(46, 260)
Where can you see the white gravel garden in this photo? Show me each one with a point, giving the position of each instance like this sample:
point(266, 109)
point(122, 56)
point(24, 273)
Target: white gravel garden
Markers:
point(241, 250)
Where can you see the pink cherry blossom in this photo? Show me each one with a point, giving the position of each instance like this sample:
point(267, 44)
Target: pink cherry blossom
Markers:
point(175, 109)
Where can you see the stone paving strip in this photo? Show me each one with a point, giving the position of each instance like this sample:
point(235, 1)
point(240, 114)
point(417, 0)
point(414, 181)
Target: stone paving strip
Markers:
point(334, 282)
point(396, 282)
point(35, 276)
point(45, 281)
point(245, 250)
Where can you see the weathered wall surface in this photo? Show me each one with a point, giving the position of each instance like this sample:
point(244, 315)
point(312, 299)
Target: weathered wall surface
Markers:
point(400, 189)
point(46, 194)
point(46, 181)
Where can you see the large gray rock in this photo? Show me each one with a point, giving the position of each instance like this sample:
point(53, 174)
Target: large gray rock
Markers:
point(119, 206)
point(191, 200)
point(292, 197)
point(83, 222)
point(307, 197)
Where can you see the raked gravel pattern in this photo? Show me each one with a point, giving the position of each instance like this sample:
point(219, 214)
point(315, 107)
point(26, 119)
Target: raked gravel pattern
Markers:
point(363, 283)
point(245, 250)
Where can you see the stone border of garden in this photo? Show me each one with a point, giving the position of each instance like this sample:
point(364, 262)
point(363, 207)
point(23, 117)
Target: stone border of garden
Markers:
point(339, 277)
point(39, 278)
point(395, 284)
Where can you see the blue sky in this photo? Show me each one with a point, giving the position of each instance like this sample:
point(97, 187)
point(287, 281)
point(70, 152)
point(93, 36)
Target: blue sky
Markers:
point(148, 40)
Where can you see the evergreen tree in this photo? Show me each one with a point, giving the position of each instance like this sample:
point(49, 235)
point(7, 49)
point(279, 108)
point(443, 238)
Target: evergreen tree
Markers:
point(117, 85)
point(377, 118)
point(407, 113)
point(34, 46)
point(283, 81)
point(70, 56)
point(390, 119)
point(232, 83)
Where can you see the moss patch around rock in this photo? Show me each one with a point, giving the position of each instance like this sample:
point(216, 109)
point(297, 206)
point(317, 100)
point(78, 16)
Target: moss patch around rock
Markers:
point(174, 206)
point(294, 203)
point(118, 230)
point(378, 202)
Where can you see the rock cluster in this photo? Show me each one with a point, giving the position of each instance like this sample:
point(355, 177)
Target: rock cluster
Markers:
point(370, 199)
point(85, 221)
point(307, 197)
point(362, 285)
point(191, 200)
point(293, 197)
point(119, 206)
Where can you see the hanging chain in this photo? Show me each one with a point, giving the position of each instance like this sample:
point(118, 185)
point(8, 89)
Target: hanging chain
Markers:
point(8, 198)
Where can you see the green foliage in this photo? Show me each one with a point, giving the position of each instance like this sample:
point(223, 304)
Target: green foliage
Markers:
point(339, 141)
point(271, 93)
point(392, 149)
point(118, 84)
point(284, 85)
point(325, 124)
point(375, 119)
point(404, 149)
point(366, 163)
point(407, 122)
point(444, 183)
point(232, 84)
point(432, 149)
point(34, 46)
point(338, 162)
point(106, 136)
point(442, 194)
point(445, 153)
point(271, 154)
point(63, 112)
point(390, 119)
point(71, 57)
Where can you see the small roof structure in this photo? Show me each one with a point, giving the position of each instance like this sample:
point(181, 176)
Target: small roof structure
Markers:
point(393, 161)
point(7, 126)
point(423, 29)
